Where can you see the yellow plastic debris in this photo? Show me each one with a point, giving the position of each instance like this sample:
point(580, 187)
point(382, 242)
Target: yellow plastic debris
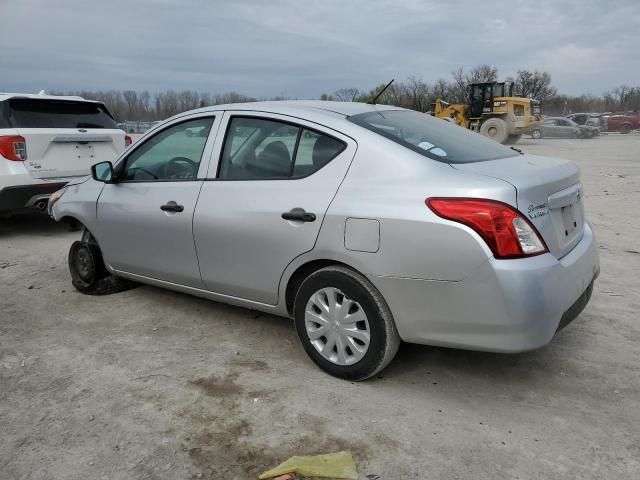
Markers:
point(332, 465)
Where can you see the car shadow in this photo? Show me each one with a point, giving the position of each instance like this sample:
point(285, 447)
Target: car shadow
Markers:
point(30, 223)
point(433, 366)
point(413, 364)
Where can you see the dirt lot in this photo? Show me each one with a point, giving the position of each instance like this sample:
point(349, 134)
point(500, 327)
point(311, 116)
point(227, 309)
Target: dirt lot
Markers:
point(151, 384)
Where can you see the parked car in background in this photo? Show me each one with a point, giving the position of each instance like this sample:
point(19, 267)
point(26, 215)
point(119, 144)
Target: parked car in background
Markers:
point(367, 224)
point(136, 127)
point(623, 122)
point(564, 127)
point(47, 140)
point(591, 119)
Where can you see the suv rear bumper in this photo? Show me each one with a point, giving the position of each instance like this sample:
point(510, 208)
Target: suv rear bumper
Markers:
point(24, 196)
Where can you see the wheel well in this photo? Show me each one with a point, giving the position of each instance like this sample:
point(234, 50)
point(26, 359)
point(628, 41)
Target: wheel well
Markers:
point(71, 221)
point(302, 272)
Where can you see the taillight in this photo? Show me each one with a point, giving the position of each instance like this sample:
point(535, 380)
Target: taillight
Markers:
point(505, 230)
point(127, 140)
point(13, 147)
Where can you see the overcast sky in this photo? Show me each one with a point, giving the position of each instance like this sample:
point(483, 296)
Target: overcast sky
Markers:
point(301, 49)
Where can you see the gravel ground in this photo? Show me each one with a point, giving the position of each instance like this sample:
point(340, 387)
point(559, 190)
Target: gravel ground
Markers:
point(152, 384)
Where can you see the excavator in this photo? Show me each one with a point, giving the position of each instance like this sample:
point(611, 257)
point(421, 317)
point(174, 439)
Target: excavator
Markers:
point(493, 111)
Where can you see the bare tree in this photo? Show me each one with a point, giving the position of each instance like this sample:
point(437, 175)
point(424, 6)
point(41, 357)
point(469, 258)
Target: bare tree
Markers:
point(188, 100)
point(346, 94)
point(131, 97)
point(477, 74)
point(535, 84)
point(145, 104)
point(482, 73)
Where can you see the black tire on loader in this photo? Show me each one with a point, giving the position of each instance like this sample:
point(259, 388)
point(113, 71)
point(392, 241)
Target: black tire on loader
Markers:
point(496, 129)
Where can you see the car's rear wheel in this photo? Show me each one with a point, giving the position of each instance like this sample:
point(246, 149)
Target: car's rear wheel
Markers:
point(625, 128)
point(536, 134)
point(344, 324)
point(88, 272)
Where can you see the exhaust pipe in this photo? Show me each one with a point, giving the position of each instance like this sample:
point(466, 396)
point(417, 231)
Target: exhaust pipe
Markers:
point(41, 204)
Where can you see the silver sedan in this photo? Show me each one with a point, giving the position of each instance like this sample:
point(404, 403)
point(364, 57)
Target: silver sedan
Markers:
point(368, 225)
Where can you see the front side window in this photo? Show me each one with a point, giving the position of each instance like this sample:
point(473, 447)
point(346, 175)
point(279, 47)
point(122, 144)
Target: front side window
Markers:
point(259, 148)
point(518, 110)
point(432, 137)
point(172, 154)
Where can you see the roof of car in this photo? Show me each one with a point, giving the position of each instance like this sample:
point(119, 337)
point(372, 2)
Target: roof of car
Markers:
point(343, 109)
point(7, 96)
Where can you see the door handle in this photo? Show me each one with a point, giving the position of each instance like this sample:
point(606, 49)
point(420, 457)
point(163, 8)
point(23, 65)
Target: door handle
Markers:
point(172, 207)
point(299, 215)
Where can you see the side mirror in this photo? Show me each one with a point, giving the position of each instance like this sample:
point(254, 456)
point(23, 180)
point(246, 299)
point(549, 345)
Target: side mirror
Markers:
point(103, 172)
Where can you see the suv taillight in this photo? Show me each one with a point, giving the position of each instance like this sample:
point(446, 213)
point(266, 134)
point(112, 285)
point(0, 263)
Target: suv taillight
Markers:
point(505, 230)
point(127, 140)
point(13, 147)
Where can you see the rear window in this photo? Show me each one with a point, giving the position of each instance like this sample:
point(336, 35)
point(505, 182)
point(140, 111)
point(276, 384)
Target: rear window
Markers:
point(432, 137)
point(36, 113)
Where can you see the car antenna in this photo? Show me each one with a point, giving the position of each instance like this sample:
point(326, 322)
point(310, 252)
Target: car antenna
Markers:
point(373, 101)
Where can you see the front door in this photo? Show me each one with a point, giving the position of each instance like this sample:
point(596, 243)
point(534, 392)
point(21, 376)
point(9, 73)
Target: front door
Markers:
point(275, 180)
point(145, 219)
point(565, 129)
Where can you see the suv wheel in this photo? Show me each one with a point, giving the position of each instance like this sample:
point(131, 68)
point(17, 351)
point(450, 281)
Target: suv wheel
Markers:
point(344, 324)
point(626, 128)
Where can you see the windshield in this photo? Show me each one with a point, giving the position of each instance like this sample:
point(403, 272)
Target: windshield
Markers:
point(432, 137)
point(41, 113)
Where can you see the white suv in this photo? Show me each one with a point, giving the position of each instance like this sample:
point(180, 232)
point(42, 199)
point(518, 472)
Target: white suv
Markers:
point(47, 140)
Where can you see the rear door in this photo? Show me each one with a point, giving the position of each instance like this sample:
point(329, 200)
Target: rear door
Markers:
point(276, 178)
point(65, 137)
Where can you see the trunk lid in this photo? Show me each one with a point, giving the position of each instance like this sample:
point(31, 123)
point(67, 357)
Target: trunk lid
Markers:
point(59, 152)
point(548, 193)
point(64, 136)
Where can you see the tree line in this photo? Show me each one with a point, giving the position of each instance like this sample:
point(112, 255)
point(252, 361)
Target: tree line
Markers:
point(413, 93)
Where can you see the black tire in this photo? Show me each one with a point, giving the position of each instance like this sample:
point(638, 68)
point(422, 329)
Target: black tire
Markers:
point(626, 128)
point(496, 129)
point(536, 134)
point(89, 274)
point(384, 338)
point(511, 139)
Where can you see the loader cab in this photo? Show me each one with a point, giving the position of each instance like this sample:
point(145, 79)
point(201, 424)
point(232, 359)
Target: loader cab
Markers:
point(481, 96)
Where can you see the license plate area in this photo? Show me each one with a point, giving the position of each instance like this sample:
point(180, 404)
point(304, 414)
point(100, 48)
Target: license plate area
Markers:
point(567, 216)
point(84, 151)
point(569, 219)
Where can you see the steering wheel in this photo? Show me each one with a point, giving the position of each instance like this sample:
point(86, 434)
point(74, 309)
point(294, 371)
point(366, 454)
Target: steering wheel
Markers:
point(180, 168)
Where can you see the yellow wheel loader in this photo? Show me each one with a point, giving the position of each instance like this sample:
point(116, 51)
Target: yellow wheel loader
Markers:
point(493, 112)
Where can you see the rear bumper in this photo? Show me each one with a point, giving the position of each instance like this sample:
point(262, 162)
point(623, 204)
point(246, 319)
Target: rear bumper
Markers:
point(503, 306)
point(17, 197)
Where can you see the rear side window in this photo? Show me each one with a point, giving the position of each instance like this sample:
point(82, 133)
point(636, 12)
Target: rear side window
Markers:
point(36, 113)
point(262, 149)
point(432, 137)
